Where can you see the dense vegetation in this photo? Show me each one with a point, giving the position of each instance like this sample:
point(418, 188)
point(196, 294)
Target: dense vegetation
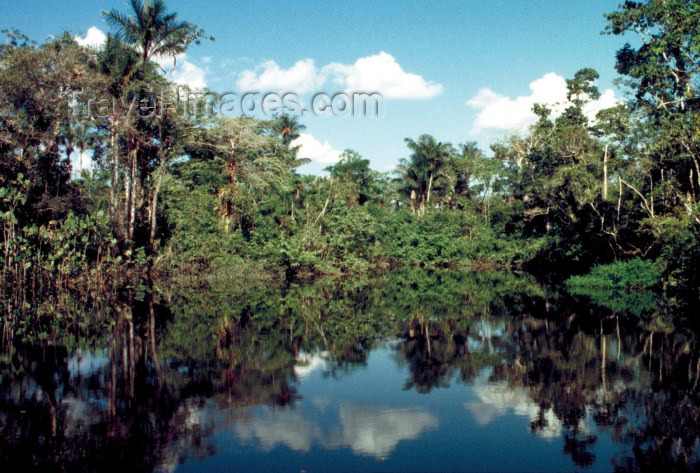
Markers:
point(174, 352)
point(175, 193)
point(179, 275)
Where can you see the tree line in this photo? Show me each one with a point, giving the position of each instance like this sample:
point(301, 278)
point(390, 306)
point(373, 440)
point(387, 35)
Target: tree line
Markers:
point(177, 193)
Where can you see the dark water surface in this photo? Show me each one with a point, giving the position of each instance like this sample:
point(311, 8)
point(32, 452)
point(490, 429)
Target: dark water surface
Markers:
point(409, 371)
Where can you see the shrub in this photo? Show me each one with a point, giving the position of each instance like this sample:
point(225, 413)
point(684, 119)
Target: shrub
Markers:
point(633, 274)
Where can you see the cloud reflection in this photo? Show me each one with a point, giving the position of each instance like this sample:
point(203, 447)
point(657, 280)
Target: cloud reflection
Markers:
point(288, 428)
point(367, 430)
point(375, 431)
point(498, 400)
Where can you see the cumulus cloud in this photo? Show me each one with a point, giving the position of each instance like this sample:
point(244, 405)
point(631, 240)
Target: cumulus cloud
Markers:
point(382, 73)
point(302, 77)
point(317, 152)
point(188, 73)
point(168, 63)
point(182, 71)
point(607, 99)
point(379, 73)
point(94, 38)
point(498, 112)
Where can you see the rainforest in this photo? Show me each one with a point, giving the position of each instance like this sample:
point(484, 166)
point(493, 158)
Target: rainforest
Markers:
point(195, 301)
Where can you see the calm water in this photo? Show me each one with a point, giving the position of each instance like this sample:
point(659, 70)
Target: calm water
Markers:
point(410, 371)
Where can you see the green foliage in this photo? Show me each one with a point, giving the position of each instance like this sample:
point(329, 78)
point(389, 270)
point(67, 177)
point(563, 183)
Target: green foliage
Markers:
point(438, 238)
point(680, 258)
point(354, 180)
point(633, 274)
point(196, 239)
point(154, 30)
point(619, 301)
point(444, 237)
point(196, 194)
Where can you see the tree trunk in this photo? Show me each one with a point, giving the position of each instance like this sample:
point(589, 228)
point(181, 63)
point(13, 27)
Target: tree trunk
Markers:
point(132, 202)
point(663, 192)
point(154, 205)
point(603, 358)
point(323, 211)
point(619, 199)
point(152, 337)
point(605, 174)
point(127, 199)
point(651, 194)
point(130, 199)
point(114, 144)
point(430, 187)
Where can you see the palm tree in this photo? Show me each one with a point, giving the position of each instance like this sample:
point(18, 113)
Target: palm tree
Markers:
point(464, 166)
point(409, 181)
point(153, 31)
point(116, 61)
point(423, 168)
point(288, 126)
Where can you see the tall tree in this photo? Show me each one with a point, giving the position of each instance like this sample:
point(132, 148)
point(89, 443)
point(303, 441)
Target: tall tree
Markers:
point(663, 73)
point(153, 30)
point(354, 178)
point(664, 67)
point(115, 60)
point(288, 127)
point(423, 169)
point(37, 88)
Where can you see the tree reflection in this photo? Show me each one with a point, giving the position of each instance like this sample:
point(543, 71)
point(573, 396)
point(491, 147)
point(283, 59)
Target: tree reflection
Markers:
point(133, 394)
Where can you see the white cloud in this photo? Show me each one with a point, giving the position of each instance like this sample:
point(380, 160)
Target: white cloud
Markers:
point(168, 63)
point(484, 98)
point(178, 69)
point(182, 71)
point(311, 148)
point(501, 113)
point(607, 100)
point(187, 73)
point(302, 77)
point(94, 38)
point(379, 73)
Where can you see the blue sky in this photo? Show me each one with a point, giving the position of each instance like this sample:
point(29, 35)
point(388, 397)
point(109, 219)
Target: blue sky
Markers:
point(431, 57)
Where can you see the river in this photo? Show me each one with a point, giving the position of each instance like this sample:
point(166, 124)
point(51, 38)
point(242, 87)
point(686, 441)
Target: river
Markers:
point(411, 371)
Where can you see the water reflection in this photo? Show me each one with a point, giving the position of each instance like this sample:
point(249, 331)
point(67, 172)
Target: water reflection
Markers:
point(375, 431)
point(414, 370)
point(499, 399)
point(288, 428)
point(307, 364)
point(366, 430)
